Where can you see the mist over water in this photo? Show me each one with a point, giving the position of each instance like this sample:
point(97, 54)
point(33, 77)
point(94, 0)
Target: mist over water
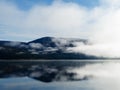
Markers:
point(89, 75)
point(109, 70)
point(106, 50)
point(101, 76)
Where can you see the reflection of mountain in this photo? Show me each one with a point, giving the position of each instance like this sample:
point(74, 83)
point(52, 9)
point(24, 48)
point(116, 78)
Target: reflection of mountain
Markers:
point(43, 48)
point(42, 71)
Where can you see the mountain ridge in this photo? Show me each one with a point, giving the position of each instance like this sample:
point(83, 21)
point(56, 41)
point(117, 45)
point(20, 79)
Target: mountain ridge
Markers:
point(42, 48)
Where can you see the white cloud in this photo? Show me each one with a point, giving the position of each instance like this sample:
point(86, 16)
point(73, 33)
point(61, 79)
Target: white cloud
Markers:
point(12, 43)
point(10, 15)
point(2, 48)
point(110, 50)
point(110, 3)
point(35, 45)
point(58, 19)
point(100, 24)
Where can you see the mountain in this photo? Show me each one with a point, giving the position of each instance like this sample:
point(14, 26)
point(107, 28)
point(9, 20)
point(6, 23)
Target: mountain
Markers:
point(42, 48)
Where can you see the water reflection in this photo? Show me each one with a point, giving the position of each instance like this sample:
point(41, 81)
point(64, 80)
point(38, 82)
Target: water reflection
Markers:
point(46, 71)
point(62, 75)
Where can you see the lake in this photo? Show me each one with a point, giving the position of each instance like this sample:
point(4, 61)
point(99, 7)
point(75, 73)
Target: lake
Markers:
point(59, 75)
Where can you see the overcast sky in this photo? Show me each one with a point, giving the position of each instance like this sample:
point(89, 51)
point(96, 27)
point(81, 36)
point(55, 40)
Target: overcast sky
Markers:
point(25, 20)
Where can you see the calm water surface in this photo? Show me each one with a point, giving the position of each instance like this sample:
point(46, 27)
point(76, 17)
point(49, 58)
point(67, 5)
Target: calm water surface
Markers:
point(60, 75)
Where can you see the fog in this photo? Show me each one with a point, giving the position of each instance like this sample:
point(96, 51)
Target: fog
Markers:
point(106, 70)
point(103, 76)
point(99, 24)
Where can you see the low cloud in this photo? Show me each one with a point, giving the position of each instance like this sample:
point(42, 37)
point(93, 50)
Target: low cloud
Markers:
point(100, 24)
point(35, 45)
point(58, 19)
point(12, 43)
point(99, 50)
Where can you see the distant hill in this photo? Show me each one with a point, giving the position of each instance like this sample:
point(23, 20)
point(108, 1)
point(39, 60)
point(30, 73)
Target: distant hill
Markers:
point(42, 48)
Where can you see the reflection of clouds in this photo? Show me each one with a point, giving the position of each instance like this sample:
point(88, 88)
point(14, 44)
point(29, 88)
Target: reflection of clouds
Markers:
point(30, 84)
point(35, 74)
point(46, 73)
point(24, 83)
point(107, 77)
point(100, 70)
